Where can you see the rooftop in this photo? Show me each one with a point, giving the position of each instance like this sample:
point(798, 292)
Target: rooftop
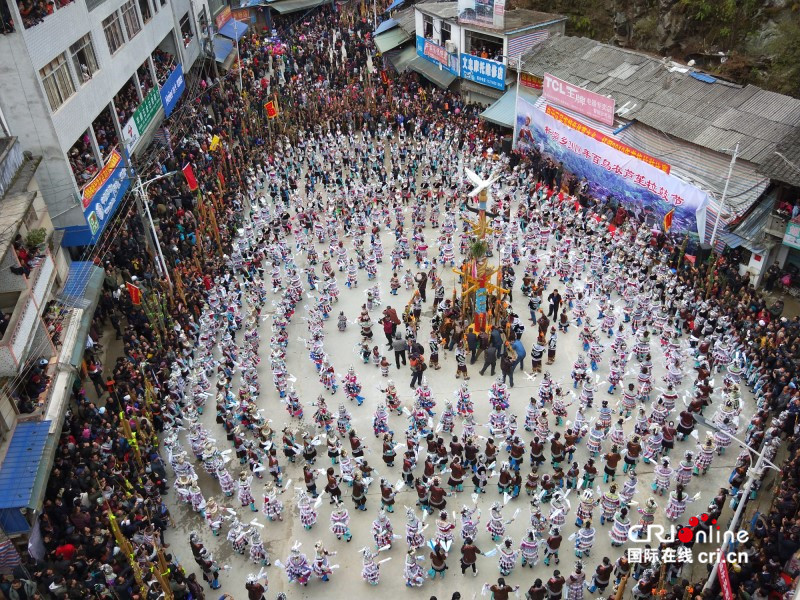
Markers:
point(514, 20)
point(784, 162)
point(671, 97)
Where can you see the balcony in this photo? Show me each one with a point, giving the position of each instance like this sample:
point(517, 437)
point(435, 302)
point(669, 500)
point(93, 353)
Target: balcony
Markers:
point(16, 341)
point(41, 278)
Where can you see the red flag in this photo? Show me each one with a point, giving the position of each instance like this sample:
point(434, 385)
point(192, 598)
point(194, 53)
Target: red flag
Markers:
point(668, 220)
point(272, 109)
point(689, 258)
point(135, 292)
point(189, 174)
point(221, 178)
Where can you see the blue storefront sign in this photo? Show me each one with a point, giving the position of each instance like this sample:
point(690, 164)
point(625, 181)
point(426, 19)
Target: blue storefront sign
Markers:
point(487, 72)
point(99, 200)
point(172, 90)
point(437, 54)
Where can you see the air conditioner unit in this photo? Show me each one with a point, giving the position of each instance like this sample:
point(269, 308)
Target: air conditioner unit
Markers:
point(450, 47)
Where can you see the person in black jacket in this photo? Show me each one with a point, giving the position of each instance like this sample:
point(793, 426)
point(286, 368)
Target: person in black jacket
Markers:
point(489, 359)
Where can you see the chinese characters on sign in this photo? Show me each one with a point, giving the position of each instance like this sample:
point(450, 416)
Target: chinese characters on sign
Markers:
point(530, 81)
point(570, 96)
point(667, 555)
point(172, 90)
point(102, 195)
point(642, 185)
point(604, 163)
point(792, 235)
point(484, 71)
point(602, 137)
point(222, 17)
point(438, 55)
point(435, 52)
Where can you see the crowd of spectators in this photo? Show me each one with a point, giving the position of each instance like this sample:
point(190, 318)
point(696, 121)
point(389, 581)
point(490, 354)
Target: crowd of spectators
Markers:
point(34, 12)
point(164, 63)
point(97, 480)
point(82, 161)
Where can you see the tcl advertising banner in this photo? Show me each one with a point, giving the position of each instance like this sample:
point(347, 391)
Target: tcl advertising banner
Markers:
point(582, 101)
point(643, 188)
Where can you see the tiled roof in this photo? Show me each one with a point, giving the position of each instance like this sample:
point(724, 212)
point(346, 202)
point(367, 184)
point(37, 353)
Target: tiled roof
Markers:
point(667, 96)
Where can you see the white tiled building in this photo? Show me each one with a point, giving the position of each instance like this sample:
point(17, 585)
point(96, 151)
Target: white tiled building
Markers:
point(61, 74)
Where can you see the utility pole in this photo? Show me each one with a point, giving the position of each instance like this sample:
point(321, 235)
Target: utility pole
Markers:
point(142, 196)
point(724, 195)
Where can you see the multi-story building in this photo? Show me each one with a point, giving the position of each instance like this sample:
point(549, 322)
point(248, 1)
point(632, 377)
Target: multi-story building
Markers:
point(42, 337)
point(83, 78)
point(461, 41)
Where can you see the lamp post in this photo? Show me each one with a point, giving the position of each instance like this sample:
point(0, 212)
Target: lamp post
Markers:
point(516, 98)
point(141, 191)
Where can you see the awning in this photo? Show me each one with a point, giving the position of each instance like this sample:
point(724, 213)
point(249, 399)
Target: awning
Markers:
point(19, 473)
point(401, 58)
point(431, 72)
point(386, 26)
point(81, 292)
point(391, 39)
point(222, 48)
point(748, 232)
point(233, 29)
point(502, 112)
point(394, 5)
point(285, 7)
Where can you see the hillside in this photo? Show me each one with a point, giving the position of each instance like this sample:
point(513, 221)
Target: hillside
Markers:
point(747, 41)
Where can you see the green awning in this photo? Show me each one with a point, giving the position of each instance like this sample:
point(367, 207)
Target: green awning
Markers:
point(430, 71)
point(391, 39)
point(502, 112)
point(402, 58)
point(285, 7)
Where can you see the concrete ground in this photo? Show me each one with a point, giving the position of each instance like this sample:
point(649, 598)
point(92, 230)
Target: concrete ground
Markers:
point(341, 346)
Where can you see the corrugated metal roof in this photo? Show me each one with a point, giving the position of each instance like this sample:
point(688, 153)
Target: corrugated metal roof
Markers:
point(783, 164)
point(391, 39)
point(713, 115)
point(406, 20)
point(21, 463)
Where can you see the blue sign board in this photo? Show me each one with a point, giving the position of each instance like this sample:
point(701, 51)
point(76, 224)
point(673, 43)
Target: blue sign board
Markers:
point(438, 55)
point(100, 200)
point(172, 90)
point(487, 72)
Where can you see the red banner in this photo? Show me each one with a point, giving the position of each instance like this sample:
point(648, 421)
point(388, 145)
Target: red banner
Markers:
point(725, 580)
point(609, 141)
point(189, 174)
point(272, 109)
point(135, 292)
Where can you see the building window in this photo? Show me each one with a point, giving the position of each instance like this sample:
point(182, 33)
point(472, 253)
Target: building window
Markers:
point(57, 81)
point(427, 26)
point(445, 33)
point(83, 58)
point(203, 22)
point(144, 9)
point(113, 32)
point(92, 4)
point(131, 18)
point(186, 30)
